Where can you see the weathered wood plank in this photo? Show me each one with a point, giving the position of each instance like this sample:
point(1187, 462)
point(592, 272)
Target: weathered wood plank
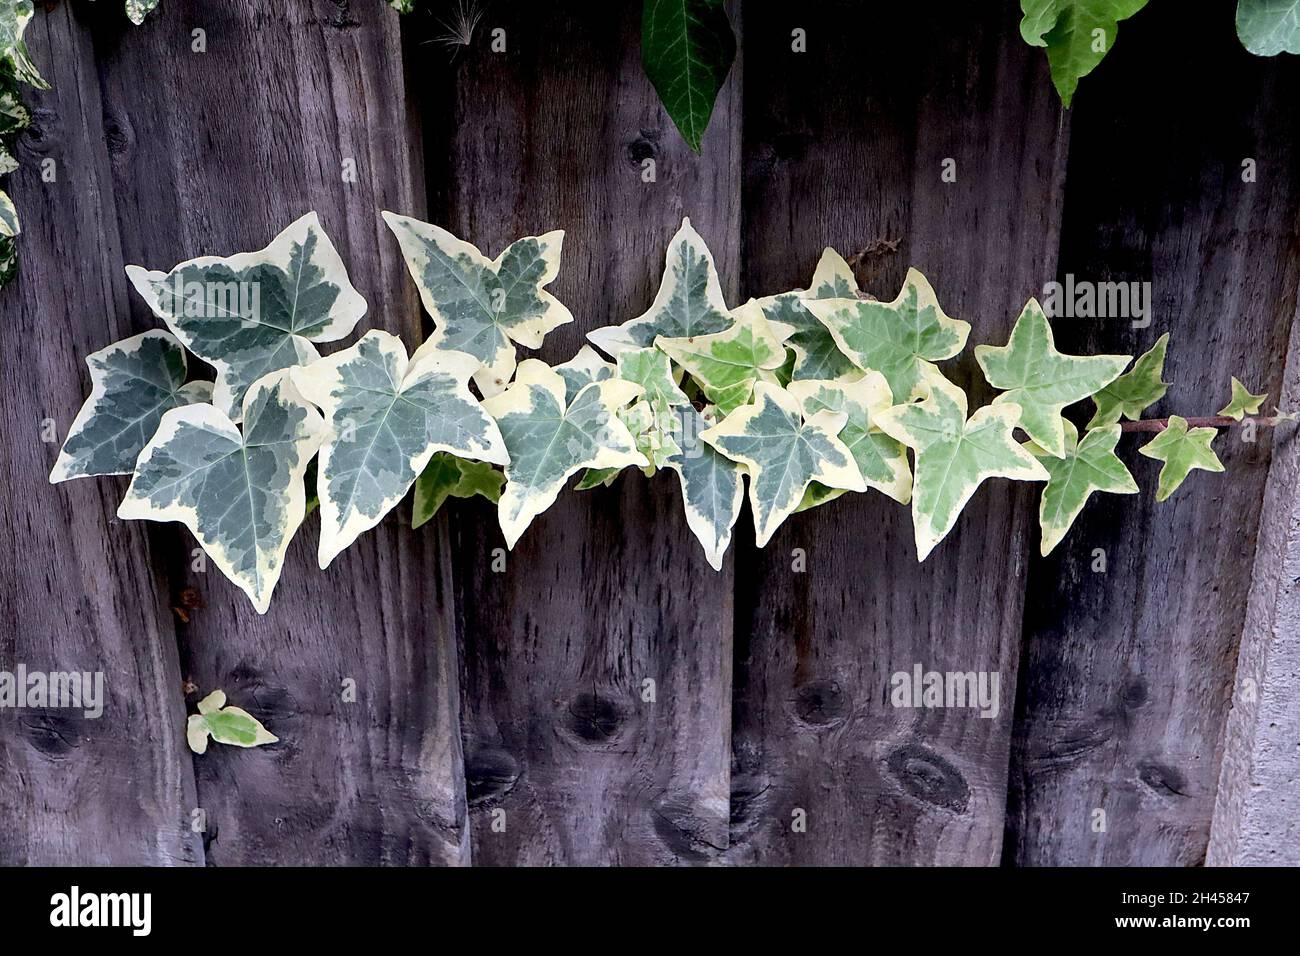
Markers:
point(1255, 813)
point(607, 589)
point(214, 152)
point(1128, 673)
point(844, 147)
point(80, 589)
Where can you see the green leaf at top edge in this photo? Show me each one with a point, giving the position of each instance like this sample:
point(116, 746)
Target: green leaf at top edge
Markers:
point(686, 50)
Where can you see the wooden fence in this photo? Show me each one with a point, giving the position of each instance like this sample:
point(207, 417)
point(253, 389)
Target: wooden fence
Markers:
point(524, 692)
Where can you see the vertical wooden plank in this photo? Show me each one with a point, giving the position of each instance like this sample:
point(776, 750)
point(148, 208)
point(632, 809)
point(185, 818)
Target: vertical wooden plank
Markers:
point(253, 133)
point(607, 589)
point(1255, 814)
point(1128, 673)
point(844, 147)
point(81, 592)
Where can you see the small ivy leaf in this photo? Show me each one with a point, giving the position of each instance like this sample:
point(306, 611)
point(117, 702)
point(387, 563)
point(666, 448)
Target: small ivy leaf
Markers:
point(1243, 402)
point(686, 49)
point(549, 440)
point(784, 454)
point(583, 369)
point(15, 16)
point(727, 364)
point(137, 10)
point(955, 455)
point(597, 478)
point(1269, 27)
point(1067, 29)
point(9, 226)
point(132, 383)
point(900, 339)
point(1135, 390)
point(689, 301)
point(712, 486)
point(483, 307)
point(1041, 380)
point(1182, 451)
point(226, 725)
point(1087, 466)
point(7, 164)
point(447, 476)
point(256, 312)
point(242, 495)
point(816, 356)
point(882, 460)
point(387, 415)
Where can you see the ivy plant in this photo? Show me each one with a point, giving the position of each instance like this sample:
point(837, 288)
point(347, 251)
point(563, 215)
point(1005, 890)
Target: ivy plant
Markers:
point(801, 397)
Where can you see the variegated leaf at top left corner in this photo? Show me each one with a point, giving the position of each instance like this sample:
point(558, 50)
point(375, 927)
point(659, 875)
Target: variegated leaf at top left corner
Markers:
point(689, 301)
point(784, 454)
point(241, 494)
point(387, 415)
point(479, 306)
point(549, 439)
point(132, 384)
point(256, 312)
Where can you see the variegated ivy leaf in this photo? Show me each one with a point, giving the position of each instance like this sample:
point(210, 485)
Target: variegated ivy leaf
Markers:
point(583, 369)
point(1076, 33)
point(15, 15)
point(8, 260)
point(1269, 27)
point(1041, 380)
point(1135, 390)
point(226, 725)
point(901, 339)
point(1182, 450)
point(137, 10)
point(1243, 402)
point(727, 364)
point(549, 440)
point(816, 356)
point(387, 415)
point(479, 306)
point(661, 396)
point(9, 226)
point(242, 495)
point(7, 162)
point(256, 312)
point(447, 476)
point(954, 455)
point(1087, 466)
point(14, 116)
point(132, 383)
point(783, 453)
point(713, 486)
point(882, 460)
point(689, 302)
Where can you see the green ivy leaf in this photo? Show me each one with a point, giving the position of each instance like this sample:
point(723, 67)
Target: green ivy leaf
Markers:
point(783, 453)
point(686, 49)
point(954, 455)
point(1182, 451)
point(816, 356)
point(727, 364)
point(1041, 380)
point(1269, 27)
point(1069, 28)
point(132, 383)
point(1243, 402)
point(387, 416)
point(882, 460)
point(689, 301)
point(484, 307)
point(1086, 467)
point(549, 440)
point(256, 312)
point(1135, 390)
point(226, 725)
point(447, 476)
point(712, 484)
point(242, 495)
point(900, 339)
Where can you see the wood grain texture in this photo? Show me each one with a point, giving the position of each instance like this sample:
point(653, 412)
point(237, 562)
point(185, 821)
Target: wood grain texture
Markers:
point(80, 591)
point(607, 589)
point(1255, 810)
point(286, 93)
point(1128, 673)
point(847, 149)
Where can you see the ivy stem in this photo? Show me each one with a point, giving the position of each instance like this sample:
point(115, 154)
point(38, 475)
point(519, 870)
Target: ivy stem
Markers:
point(1208, 421)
